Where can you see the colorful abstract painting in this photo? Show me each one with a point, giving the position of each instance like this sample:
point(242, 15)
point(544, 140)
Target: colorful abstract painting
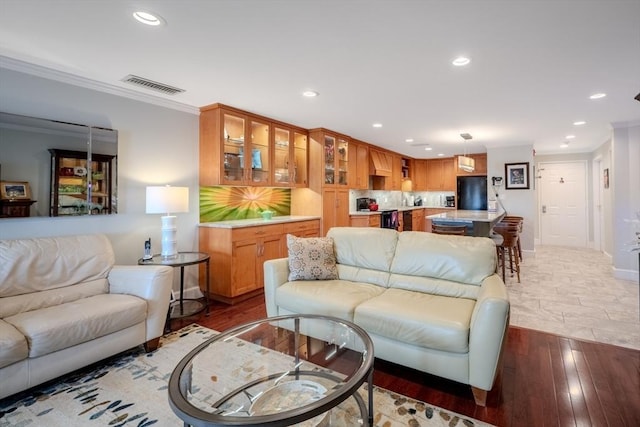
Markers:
point(231, 203)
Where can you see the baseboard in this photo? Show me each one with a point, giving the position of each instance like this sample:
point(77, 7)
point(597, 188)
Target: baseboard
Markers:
point(528, 253)
point(623, 274)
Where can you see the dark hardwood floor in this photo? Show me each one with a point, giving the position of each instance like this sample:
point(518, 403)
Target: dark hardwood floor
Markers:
point(546, 380)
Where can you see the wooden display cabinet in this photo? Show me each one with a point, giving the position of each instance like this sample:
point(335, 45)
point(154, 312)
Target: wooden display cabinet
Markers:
point(290, 156)
point(80, 186)
point(335, 155)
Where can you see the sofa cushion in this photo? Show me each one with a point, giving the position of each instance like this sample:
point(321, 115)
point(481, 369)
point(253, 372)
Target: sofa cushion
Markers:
point(419, 319)
point(365, 247)
point(462, 259)
point(65, 325)
point(336, 298)
point(13, 345)
point(32, 265)
point(11, 306)
point(311, 258)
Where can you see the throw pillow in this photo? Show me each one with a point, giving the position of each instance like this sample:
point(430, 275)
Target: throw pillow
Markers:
point(311, 258)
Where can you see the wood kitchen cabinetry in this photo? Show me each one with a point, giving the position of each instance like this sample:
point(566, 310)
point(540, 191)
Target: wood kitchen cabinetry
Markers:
point(334, 158)
point(335, 209)
point(290, 163)
point(480, 165)
point(418, 219)
point(441, 174)
point(419, 175)
point(372, 220)
point(361, 174)
point(238, 256)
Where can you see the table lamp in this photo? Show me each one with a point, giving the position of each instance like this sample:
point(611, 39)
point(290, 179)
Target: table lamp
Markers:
point(166, 200)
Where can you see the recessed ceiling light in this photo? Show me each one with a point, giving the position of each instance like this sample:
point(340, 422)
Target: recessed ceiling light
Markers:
point(428, 148)
point(461, 61)
point(570, 136)
point(408, 140)
point(598, 95)
point(440, 154)
point(310, 93)
point(377, 125)
point(564, 145)
point(579, 123)
point(148, 18)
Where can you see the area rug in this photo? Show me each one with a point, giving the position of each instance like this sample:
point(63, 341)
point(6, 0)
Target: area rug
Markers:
point(130, 390)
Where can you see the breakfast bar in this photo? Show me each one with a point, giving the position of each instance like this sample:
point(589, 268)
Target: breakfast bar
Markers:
point(479, 222)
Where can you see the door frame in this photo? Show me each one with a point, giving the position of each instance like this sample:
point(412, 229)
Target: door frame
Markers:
point(597, 196)
point(588, 195)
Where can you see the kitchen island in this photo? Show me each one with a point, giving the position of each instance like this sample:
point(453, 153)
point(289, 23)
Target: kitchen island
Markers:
point(480, 222)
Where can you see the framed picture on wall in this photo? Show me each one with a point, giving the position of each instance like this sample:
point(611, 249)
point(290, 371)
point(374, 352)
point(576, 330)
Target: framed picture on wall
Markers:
point(15, 190)
point(517, 176)
point(606, 178)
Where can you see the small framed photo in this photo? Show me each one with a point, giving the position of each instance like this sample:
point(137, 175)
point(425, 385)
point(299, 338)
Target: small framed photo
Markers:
point(517, 176)
point(15, 190)
point(606, 178)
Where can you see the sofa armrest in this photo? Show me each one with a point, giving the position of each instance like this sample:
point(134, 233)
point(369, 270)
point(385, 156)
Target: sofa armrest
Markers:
point(151, 283)
point(488, 332)
point(276, 273)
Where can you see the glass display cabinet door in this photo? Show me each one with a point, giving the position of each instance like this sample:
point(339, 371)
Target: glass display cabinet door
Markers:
point(259, 156)
point(329, 160)
point(233, 149)
point(299, 174)
point(342, 163)
point(282, 154)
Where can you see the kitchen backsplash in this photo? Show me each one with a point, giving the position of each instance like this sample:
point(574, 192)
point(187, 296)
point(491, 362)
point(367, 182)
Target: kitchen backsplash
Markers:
point(396, 199)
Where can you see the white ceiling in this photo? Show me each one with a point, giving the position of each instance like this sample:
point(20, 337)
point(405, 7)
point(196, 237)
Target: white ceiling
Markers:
point(534, 63)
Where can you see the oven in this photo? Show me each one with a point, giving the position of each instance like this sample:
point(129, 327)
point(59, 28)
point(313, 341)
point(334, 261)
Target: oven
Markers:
point(389, 219)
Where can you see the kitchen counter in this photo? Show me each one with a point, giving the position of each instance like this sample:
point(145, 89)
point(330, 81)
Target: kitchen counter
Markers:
point(239, 223)
point(482, 221)
point(399, 209)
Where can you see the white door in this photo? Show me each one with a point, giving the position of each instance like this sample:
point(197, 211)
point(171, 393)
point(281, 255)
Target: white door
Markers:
point(563, 204)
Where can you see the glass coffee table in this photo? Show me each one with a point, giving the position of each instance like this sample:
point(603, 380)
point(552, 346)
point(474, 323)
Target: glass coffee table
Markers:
point(304, 370)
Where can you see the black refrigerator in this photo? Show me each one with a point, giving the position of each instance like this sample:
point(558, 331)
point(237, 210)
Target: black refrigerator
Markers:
point(472, 193)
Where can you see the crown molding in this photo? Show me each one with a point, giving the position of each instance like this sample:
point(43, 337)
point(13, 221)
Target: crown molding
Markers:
point(72, 79)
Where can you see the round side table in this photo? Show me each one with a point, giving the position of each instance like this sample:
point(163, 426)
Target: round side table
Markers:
point(183, 307)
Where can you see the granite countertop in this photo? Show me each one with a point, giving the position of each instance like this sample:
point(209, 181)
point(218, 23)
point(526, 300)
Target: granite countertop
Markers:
point(466, 215)
point(239, 223)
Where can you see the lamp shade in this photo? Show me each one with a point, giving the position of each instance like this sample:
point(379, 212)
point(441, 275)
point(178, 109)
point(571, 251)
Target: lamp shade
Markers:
point(167, 199)
point(467, 164)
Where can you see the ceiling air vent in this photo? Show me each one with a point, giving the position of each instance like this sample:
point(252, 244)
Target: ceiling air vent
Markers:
point(150, 84)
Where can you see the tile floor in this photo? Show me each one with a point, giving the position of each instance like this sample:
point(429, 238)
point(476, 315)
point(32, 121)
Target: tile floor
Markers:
point(572, 292)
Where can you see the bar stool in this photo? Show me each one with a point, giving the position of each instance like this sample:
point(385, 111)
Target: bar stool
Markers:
point(512, 219)
point(457, 230)
point(509, 247)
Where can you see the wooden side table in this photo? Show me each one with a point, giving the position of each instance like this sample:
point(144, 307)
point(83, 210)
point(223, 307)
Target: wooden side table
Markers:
point(183, 307)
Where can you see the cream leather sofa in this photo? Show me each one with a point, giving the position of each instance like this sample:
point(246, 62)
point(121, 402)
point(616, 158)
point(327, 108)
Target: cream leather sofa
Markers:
point(430, 302)
point(64, 305)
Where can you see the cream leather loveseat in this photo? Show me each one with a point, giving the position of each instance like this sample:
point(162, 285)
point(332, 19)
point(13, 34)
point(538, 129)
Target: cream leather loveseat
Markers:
point(429, 302)
point(64, 305)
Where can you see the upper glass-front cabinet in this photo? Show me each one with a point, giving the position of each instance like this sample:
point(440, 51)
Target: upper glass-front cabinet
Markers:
point(290, 159)
point(336, 161)
point(246, 157)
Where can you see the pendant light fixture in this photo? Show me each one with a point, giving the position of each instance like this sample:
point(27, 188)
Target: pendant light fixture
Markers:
point(465, 163)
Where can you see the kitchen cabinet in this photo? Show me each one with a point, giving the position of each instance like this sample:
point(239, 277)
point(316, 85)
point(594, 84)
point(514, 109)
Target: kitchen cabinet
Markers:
point(237, 258)
point(310, 228)
point(441, 174)
point(419, 176)
point(480, 165)
point(290, 164)
point(372, 220)
point(361, 181)
point(80, 186)
point(335, 209)
point(417, 219)
point(334, 158)
point(392, 182)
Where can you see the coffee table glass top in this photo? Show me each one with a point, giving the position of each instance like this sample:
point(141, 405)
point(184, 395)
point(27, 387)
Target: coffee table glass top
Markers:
point(301, 369)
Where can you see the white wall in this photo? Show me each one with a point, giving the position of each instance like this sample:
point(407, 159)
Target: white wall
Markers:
point(516, 202)
point(625, 181)
point(156, 145)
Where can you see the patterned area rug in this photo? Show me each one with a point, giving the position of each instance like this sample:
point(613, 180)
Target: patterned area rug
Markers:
point(131, 390)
